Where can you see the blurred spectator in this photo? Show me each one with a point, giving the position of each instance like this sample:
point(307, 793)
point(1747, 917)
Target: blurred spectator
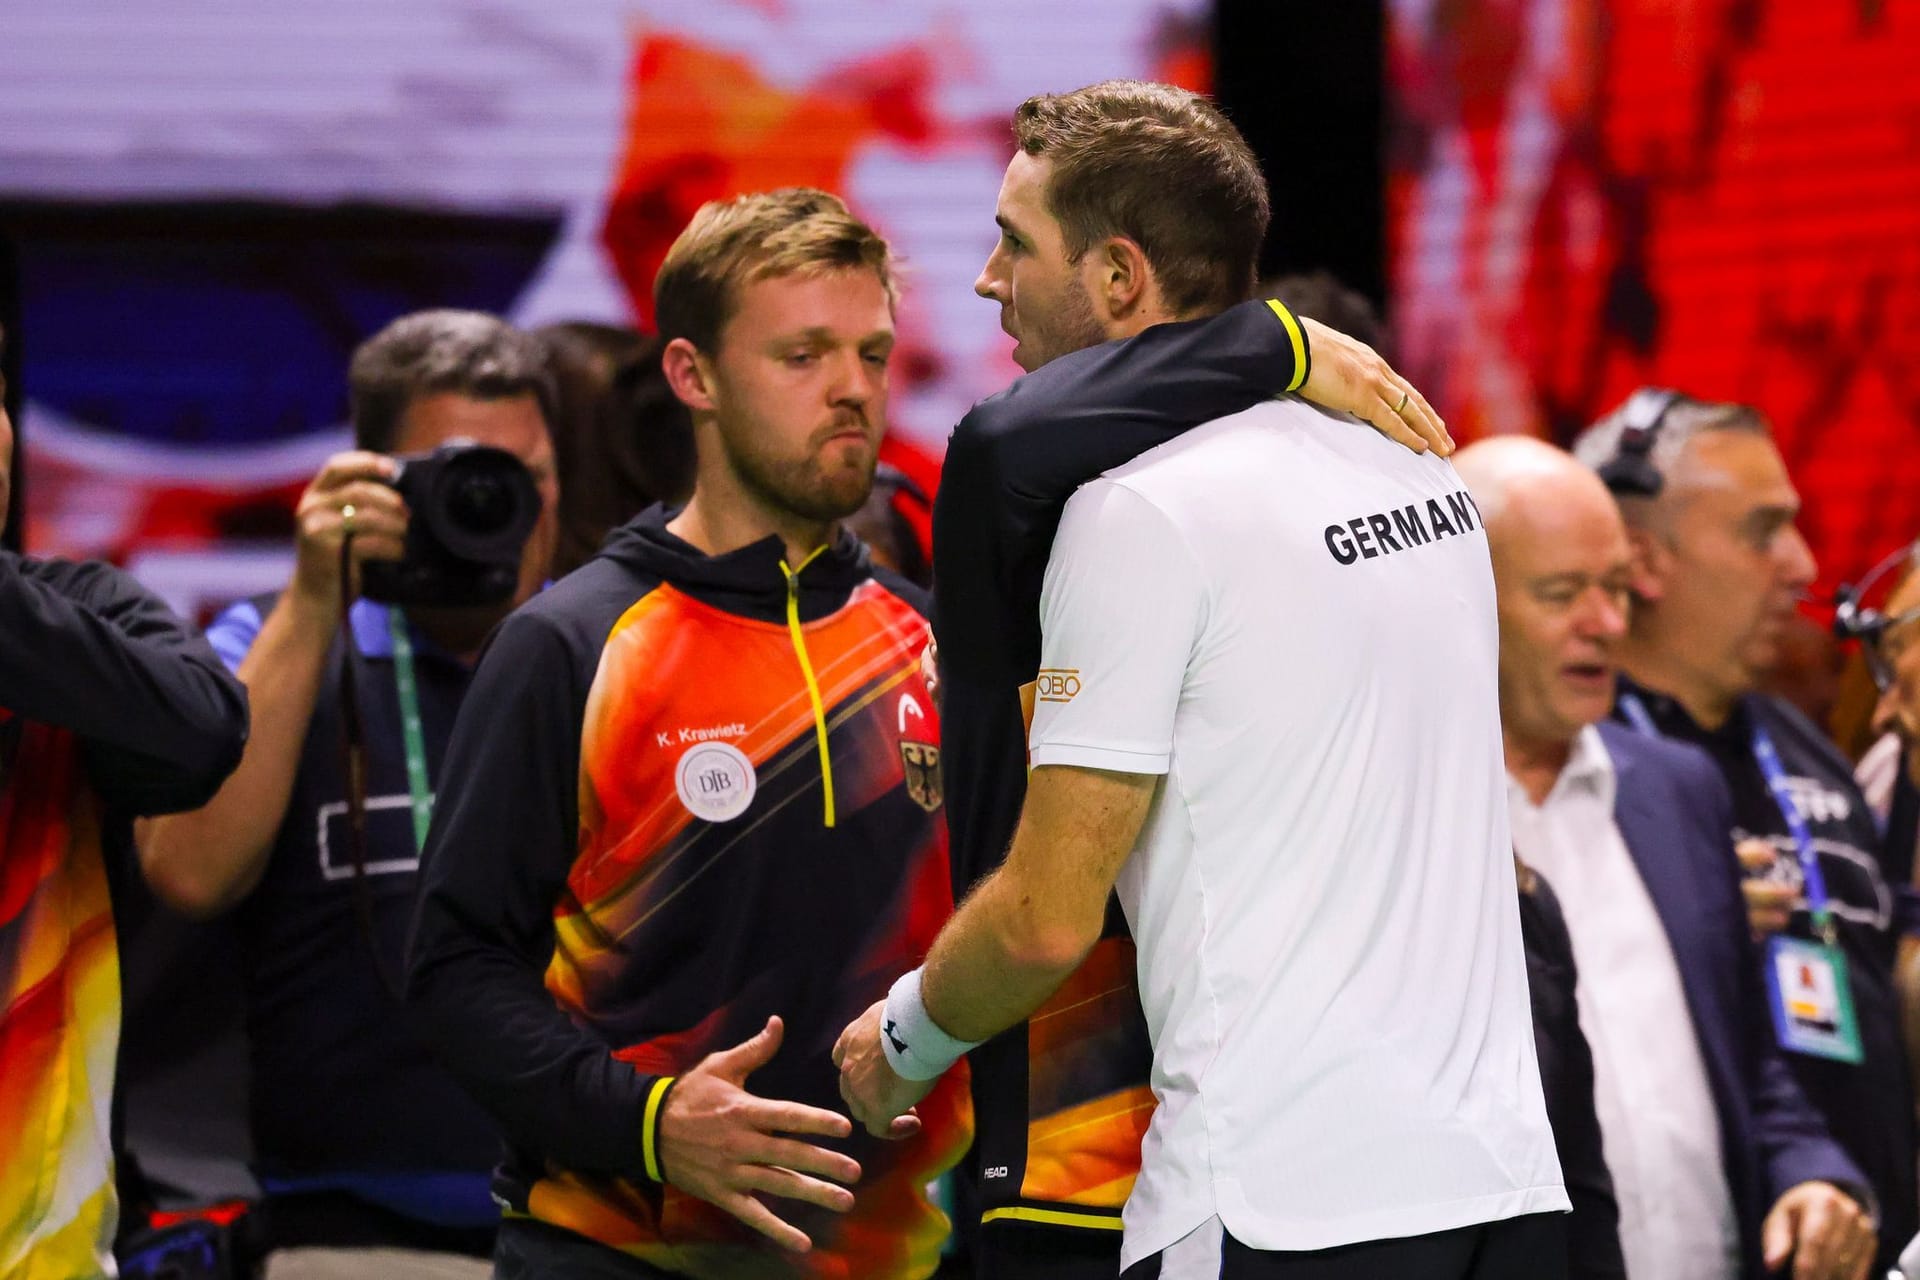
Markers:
point(1889, 773)
point(1809, 671)
point(621, 441)
point(1718, 570)
point(361, 1141)
point(110, 707)
point(1703, 1124)
point(886, 529)
point(1320, 295)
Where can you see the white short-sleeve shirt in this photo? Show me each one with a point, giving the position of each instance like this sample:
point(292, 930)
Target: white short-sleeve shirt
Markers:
point(1293, 620)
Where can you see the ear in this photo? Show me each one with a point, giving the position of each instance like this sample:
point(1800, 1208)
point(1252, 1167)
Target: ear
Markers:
point(1652, 564)
point(688, 375)
point(1118, 277)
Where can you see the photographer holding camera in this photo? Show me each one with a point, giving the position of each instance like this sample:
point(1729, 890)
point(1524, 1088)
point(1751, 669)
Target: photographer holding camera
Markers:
point(360, 1141)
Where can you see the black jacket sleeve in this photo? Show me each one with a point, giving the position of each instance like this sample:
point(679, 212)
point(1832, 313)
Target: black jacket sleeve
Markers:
point(1017, 457)
point(87, 649)
point(1089, 411)
point(1566, 1074)
point(496, 863)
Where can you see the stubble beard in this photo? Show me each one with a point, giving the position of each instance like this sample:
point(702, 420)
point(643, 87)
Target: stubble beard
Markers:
point(1069, 327)
point(809, 487)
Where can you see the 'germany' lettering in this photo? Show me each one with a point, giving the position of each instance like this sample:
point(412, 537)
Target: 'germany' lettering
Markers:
point(1384, 532)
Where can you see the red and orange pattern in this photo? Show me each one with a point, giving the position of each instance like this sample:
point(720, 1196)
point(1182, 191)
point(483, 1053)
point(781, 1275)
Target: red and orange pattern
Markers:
point(679, 936)
point(60, 1022)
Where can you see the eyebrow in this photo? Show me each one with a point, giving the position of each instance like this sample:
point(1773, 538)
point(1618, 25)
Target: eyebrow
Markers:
point(821, 335)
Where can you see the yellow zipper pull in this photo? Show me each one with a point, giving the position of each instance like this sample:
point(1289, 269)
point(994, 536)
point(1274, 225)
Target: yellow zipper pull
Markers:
point(806, 671)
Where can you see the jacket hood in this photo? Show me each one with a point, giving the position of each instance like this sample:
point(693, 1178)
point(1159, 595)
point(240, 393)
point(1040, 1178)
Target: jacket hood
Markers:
point(748, 581)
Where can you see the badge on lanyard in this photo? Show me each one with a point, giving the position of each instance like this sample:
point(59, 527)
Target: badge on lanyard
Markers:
point(1812, 996)
point(1812, 1000)
point(1809, 989)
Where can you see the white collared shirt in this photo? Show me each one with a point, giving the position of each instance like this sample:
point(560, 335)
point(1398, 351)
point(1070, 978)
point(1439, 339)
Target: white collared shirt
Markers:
point(1657, 1119)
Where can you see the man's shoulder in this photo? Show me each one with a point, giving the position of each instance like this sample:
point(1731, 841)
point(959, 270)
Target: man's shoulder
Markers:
point(578, 613)
point(94, 583)
point(1799, 738)
point(1665, 759)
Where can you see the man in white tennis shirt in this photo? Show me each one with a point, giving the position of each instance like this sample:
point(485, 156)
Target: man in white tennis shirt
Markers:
point(1268, 711)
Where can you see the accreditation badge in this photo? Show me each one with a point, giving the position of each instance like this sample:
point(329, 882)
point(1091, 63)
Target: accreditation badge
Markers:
point(1812, 999)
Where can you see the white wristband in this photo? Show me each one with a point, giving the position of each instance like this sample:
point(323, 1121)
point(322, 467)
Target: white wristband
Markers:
point(916, 1047)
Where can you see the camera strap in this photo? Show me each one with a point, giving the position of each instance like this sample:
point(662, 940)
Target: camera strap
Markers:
point(411, 734)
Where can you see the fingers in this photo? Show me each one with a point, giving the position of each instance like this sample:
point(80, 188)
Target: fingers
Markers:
point(1776, 1234)
point(804, 1157)
point(798, 1117)
point(786, 1183)
point(1754, 855)
point(903, 1127)
point(1770, 907)
point(1381, 417)
point(1814, 1252)
point(765, 1221)
point(747, 1057)
point(355, 464)
point(1421, 417)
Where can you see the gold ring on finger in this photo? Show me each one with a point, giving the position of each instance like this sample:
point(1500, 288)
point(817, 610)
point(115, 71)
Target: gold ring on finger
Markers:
point(1402, 406)
point(347, 513)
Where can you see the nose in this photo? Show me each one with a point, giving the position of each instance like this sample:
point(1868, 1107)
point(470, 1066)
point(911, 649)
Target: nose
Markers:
point(1604, 618)
point(988, 283)
point(1798, 568)
point(856, 382)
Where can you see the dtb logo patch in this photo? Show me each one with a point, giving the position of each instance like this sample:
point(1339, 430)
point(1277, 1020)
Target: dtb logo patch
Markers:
point(715, 781)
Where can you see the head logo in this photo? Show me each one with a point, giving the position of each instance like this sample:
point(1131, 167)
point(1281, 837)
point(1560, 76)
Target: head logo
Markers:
point(715, 781)
point(1057, 684)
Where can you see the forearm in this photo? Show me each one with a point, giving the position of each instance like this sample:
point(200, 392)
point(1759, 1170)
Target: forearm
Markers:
point(1000, 958)
point(549, 1084)
point(205, 861)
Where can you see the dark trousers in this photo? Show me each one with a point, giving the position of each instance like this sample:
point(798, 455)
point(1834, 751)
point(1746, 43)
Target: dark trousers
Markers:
point(1529, 1248)
point(527, 1250)
point(1029, 1251)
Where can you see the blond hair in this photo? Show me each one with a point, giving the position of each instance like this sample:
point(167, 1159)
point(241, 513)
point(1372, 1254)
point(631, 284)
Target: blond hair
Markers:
point(729, 244)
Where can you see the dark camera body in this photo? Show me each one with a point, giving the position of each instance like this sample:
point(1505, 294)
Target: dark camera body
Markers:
point(472, 508)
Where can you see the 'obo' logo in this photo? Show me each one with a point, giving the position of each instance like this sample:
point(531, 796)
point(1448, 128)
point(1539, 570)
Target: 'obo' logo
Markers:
point(715, 781)
point(1057, 684)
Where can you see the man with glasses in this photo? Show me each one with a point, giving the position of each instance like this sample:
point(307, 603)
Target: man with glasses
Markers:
point(1718, 571)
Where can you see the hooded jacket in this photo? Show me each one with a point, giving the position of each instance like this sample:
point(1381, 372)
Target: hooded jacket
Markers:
point(686, 793)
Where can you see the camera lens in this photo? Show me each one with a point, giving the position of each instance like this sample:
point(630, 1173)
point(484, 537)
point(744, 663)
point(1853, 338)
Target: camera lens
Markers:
point(481, 504)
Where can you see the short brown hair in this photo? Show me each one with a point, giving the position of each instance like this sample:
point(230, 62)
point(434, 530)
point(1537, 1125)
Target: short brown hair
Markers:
point(732, 243)
point(469, 352)
point(1162, 167)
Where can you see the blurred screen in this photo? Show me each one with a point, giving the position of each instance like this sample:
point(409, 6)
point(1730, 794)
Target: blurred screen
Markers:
point(208, 206)
point(1721, 196)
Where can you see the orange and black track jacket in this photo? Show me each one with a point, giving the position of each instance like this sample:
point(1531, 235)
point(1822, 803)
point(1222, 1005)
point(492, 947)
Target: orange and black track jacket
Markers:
point(686, 793)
